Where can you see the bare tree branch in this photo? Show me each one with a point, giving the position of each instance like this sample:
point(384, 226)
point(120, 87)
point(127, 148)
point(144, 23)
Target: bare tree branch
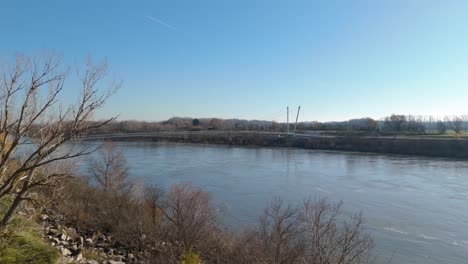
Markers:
point(29, 92)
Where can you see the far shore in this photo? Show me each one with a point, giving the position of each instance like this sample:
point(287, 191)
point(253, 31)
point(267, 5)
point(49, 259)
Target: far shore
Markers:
point(445, 147)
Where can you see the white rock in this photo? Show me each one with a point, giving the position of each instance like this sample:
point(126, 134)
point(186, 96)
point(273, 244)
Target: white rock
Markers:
point(63, 237)
point(66, 252)
point(79, 257)
point(74, 247)
point(80, 240)
point(115, 262)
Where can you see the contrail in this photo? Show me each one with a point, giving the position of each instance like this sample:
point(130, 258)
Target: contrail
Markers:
point(160, 22)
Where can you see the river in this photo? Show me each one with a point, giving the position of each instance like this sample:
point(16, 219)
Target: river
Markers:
point(416, 208)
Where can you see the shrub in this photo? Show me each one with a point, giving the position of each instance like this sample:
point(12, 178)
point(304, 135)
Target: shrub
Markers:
point(190, 258)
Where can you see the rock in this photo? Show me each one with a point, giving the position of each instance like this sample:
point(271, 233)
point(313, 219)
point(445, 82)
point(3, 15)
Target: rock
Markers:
point(44, 217)
point(53, 232)
point(103, 245)
point(109, 251)
point(56, 241)
point(79, 257)
point(74, 248)
point(80, 240)
point(89, 241)
point(114, 262)
point(91, 262)
point(65, 252)
point(62, 237)
point(121, 251)
point(71, 230)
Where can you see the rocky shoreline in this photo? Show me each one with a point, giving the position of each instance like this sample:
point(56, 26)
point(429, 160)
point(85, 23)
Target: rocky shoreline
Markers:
point(72, 244)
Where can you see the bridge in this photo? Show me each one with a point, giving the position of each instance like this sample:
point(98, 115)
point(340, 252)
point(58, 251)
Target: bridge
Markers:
point(197, 133)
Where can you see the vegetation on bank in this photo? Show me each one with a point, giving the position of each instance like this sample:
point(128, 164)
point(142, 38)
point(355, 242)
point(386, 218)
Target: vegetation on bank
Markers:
point(391, 125)
point(181, 225)
point(22, 241)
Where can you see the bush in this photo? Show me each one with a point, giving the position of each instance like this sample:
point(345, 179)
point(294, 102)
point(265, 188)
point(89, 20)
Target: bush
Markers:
point(308, 233)
point(190, 258)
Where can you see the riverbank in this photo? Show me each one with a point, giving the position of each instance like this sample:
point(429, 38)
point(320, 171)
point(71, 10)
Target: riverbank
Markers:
point(417, 146)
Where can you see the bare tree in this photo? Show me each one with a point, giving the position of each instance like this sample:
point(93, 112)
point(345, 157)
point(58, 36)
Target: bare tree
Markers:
point(30, 115)
point(457, 124)
point(326, 242)
point(152, 199)
point(441, 127)
point(109, 169)
point(277, 239)
point(309, 233)
point(275, 126)
point(394, 122)
point(190, 213)
point(216, 123)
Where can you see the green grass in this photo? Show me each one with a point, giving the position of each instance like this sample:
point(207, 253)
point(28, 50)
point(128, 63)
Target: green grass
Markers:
point(24, 243)
point(27, 247)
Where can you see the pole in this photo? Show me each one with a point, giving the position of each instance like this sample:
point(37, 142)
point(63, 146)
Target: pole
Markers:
point(298, 109)
point(287, 118)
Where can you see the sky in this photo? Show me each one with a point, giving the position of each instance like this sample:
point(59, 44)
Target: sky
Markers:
point(252, 58)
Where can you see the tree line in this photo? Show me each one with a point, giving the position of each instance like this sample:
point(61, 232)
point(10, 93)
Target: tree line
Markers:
point(398, 124)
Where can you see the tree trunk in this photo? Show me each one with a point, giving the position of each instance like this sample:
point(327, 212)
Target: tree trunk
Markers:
point(11, 211)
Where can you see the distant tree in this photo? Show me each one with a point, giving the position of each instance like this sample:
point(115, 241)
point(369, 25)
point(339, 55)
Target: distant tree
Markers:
point(216, 123)
point(195, 122)
point(414, 124)
point(457, 124)
point(365, 124)
point(441, 127)
point(372, 124)
point(394, 122)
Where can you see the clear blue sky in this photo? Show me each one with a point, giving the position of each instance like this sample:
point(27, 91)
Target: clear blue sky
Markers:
point(249, 59)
